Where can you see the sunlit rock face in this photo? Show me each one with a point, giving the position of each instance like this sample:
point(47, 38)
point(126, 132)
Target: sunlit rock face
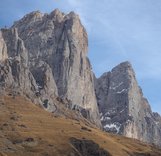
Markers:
point(14, 71)
point(46, 57)
point(123, 109)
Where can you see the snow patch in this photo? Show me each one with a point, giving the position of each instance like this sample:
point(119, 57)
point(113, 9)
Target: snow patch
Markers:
point(124, 90)
point(107, 113)
point(39, 86)
point(113, 126)
point(128, 121)
point(10, 58)
point(156, 122)
point(122, 110)
point(102, 118)
point(110, 112)
point(115, 87)
point(105, 118)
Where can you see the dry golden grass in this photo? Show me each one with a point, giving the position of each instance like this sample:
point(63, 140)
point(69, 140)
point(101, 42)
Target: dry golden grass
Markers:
point(28, 130)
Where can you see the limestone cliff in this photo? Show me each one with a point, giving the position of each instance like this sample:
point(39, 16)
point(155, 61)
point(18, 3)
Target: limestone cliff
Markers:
point(123, 108)
point(14, 71)
point(47, 57)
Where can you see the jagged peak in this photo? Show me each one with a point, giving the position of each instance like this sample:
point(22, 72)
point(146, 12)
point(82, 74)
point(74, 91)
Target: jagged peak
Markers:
point(60, 14)
point(72, 14)
point(32, 16)
point(56, 11)
point(124, 67)
point(125, 64)
point(57, 14)
point(34, 13)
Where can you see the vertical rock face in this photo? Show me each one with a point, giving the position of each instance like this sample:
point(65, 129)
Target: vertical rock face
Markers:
point(123, 108)
point(52, 49)
point(3, 49)
point(14, 71)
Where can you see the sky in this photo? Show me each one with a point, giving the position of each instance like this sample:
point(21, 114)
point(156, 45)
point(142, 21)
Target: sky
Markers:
point(118, 30)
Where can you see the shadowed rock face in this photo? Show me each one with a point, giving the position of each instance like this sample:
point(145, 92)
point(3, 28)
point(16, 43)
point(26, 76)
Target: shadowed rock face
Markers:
point(87, 148)
point(47, 58)
point(123, 108)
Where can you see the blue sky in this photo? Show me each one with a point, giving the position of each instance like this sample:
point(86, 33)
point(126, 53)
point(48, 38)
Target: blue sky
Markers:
point(118, 30)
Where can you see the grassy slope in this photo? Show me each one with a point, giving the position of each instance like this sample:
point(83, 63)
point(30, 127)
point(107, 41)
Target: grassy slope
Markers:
point(26, 129)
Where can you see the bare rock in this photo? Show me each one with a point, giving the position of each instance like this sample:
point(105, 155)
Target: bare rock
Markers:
point(88, 148)
point(47, 55)
point(123, 108)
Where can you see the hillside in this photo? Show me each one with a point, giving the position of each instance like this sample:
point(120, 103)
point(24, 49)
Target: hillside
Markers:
point(27, 129)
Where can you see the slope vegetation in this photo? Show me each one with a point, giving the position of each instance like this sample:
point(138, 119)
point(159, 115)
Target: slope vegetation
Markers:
point(27, 129)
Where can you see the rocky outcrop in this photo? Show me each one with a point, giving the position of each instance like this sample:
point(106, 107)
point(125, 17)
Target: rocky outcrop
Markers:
point(3, 49)
point(47, 57)
point(14, 71)
point(123, 108)
point(87, 148)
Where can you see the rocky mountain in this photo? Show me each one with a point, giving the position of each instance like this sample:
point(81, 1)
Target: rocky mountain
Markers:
point(123, 108)
point(44, 58)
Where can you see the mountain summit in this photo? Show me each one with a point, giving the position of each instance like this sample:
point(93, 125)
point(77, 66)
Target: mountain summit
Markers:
point(44, 56)
point(123, 108)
